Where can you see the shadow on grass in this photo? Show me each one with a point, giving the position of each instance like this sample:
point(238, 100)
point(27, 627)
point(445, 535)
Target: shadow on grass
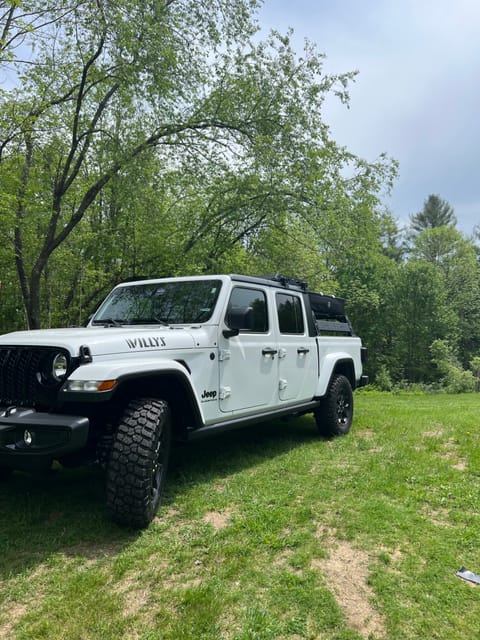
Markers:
point(63, 511)
point(219, 456)
point(57, 512)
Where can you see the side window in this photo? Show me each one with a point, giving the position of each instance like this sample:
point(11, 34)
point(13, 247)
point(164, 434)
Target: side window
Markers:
point(290, 316)
point(247, 310)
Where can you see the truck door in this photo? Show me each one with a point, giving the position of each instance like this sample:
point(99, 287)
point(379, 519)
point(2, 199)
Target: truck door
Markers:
point(297, 353)
point(248, 362)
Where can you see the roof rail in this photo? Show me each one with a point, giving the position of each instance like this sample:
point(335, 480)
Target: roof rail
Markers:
point(285, 281)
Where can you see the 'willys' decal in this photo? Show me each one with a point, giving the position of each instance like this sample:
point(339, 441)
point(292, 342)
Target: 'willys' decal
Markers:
point(146, 343)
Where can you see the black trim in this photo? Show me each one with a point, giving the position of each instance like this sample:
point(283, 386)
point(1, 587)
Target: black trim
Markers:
point(340, 325)
point(326, 306)
point(236, 423)
point(52, 435)
point(264, 281)
point(173, 386)
point(287, 282)
point(26, 378)
point(84, 397)
point(346, 367)
point(312, 329)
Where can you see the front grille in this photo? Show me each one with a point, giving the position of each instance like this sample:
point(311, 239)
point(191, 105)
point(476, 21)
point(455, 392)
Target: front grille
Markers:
point(21, 381)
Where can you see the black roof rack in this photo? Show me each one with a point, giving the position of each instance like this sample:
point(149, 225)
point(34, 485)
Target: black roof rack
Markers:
point(285, 281)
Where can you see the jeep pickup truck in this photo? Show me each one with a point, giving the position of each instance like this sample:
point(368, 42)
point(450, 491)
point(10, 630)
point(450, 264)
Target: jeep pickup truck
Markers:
point(173, 358)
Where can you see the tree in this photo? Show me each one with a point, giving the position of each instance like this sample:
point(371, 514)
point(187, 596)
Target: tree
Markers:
point(436, 212)
point(110, 82)
point(391, 237)
point(437, 245)
point(20, 19)
point(419, 307)
point(371, 300)
point(455, 258)
point(233, 132)
point(454, 378)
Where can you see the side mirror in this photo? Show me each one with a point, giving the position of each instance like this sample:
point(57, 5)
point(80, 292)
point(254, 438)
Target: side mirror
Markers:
point(230, 333)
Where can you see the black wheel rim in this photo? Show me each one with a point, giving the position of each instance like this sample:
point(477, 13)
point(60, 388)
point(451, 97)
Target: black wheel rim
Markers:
point(344, 409)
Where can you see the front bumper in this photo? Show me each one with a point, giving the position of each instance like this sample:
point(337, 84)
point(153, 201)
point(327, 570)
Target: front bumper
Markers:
point(30, 439)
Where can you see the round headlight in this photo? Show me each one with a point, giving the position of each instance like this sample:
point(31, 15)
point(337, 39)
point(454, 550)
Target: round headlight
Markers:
point(59, 366)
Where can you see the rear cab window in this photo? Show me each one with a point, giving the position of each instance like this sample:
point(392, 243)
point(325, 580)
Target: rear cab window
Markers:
point(290, 314)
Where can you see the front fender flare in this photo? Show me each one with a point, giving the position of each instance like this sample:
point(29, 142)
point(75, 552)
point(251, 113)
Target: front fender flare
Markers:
point(143, 373)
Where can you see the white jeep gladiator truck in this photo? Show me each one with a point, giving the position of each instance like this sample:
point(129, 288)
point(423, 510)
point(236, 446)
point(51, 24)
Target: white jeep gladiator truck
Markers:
point(173, 358)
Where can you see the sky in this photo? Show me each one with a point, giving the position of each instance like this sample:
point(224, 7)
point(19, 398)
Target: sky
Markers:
point(416, 96)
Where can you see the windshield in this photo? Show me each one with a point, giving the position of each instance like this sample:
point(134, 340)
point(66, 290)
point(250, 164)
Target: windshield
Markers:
point(183, 302)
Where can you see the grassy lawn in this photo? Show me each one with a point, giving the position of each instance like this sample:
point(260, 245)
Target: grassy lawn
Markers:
point(267, 533)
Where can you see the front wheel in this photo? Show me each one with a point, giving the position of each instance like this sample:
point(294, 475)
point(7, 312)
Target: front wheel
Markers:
point(138, 462)
point(335, 415)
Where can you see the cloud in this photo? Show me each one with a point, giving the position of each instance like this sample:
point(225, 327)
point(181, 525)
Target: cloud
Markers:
point(416, 94)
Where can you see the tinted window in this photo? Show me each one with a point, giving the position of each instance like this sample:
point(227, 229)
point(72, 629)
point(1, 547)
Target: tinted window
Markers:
point(185, 302)
point(247, 310)
point(290, 316)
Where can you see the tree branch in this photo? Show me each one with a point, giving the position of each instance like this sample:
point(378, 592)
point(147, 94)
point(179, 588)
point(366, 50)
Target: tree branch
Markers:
point(18, 239)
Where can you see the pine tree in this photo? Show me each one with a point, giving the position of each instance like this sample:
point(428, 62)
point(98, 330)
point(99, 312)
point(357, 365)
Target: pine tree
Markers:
point(436, 212)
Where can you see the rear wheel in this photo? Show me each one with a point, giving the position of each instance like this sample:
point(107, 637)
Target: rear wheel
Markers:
point(335, 415)
point(138, 462)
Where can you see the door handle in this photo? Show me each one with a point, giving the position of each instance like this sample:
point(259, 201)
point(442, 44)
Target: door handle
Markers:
point(268, 351)
point(303, 350)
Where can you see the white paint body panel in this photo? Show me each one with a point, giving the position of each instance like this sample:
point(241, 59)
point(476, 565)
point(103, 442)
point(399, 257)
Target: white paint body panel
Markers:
point(232, 376)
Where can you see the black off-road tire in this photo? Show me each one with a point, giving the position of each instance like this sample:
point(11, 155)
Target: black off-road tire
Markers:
point(138, 462)
point(335, 415)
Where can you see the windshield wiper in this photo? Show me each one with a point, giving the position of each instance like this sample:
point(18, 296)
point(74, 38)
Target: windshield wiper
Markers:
point(109, 322)
point(148, 321)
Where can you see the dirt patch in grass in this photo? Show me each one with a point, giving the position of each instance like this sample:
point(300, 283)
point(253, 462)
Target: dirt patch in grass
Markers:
point(283, 561)
point(457, 463)
point(451, 454)
point(366, 434)
point(375, 450)
point(433, 433)
point(92, 552)
point(218, 520)
point(135, 595)
point(15, 612)
point(439, 516)
point(346, 574)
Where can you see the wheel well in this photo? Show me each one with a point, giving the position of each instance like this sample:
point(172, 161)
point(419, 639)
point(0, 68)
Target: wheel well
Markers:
point(172, 388)
point(347, 369)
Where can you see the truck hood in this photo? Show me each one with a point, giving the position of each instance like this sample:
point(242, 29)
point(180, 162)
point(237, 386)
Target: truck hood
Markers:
point(112, 340)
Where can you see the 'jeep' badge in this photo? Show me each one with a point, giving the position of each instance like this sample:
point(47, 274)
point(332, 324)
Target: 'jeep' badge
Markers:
point(208, 396)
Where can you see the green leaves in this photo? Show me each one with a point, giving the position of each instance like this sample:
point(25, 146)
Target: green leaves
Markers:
point(159, 138)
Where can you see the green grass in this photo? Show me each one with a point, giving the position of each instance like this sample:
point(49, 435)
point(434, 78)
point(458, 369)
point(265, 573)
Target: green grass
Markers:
point(267, 533)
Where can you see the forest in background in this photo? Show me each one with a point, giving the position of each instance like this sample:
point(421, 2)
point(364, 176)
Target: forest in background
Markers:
point(164, 138)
